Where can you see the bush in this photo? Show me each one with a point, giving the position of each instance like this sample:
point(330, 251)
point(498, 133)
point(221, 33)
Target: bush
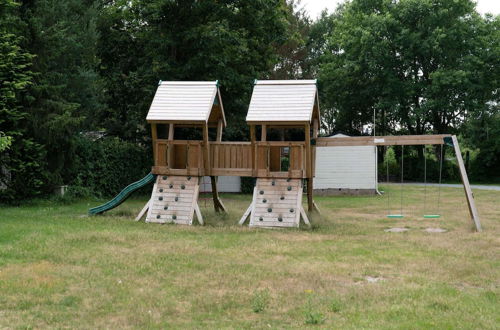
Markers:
point(247, 184)
point(103, 167)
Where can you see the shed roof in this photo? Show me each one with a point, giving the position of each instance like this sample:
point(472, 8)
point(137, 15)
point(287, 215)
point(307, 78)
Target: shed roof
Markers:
point(188, 102)
point(283, 101)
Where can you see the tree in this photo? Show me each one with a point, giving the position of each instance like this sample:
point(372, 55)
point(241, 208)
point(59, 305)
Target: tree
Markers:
point(65, 94)
point(142, 42)
point(419, 64)
point(21, 166)
point(292, 62)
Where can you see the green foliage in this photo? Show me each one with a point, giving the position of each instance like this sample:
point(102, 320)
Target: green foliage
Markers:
point(484, 133)
point(420, 65)
point(22, 170)
point(5, 141)
point(311, 313)
point(65, 92)
point(389, 162)
point(260, 300)
point(104, 167)
point(142, 42)
point(247, 185)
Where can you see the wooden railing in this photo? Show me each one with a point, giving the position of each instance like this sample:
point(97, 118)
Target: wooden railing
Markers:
point(263, 159)
point(268, 162)
point(231, 158)
point(179, 157)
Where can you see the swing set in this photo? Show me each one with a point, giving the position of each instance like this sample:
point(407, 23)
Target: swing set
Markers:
point(422, 140)
point(426, 215)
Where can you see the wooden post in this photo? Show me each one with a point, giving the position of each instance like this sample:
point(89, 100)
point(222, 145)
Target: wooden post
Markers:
point(219, 130)
point(307, 133)
point(170, 147)
point(263, 133)
point(315, 136)
point(465, 181)
point(218, 206)
point(206, 150)
point(154, 137)
point(254, 151)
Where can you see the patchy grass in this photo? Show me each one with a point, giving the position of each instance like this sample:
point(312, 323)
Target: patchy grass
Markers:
point(62, 269)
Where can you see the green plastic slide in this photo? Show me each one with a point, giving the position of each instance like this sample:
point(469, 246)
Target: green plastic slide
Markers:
point(123, 195)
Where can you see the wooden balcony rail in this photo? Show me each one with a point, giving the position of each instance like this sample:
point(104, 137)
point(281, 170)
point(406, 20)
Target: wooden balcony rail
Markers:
point(185, 157)
point(231, 158)
point(268, 162)
point(179, 157)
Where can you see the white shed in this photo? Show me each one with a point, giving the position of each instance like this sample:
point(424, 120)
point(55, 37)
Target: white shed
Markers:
point(346, 169)
point(225, 184)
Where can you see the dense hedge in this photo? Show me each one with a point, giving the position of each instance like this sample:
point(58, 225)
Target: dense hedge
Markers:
point(103, 167)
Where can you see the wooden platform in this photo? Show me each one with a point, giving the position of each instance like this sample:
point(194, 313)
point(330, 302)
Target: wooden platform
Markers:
point(174, 200)
point(276, 203)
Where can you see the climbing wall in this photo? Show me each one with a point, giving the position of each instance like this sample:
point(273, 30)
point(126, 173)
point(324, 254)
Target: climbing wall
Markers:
point(174, 200)
point(276, 203)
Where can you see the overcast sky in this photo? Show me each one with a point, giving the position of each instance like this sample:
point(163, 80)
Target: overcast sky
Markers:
point(314, 7)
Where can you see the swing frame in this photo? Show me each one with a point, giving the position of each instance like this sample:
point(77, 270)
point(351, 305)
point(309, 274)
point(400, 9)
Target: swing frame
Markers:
point(447, 139)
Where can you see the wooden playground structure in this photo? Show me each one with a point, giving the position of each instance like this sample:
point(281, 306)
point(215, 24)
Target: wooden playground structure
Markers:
point(282, 168)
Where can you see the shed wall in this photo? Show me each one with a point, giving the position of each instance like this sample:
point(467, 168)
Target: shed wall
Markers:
point(231, 184)
point(345, 168)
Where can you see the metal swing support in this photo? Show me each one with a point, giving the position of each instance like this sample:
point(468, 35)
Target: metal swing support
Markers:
point(450, 140)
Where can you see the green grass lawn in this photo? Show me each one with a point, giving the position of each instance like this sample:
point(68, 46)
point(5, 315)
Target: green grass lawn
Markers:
point(62, 269)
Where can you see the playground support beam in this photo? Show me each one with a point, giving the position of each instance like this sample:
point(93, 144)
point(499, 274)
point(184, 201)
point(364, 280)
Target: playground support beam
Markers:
point(382, 140)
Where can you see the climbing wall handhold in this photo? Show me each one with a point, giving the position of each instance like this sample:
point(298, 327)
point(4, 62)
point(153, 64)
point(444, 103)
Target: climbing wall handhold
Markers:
point(264, 200)
point(280, 219)
point(174, 217)
point(160, 198)
point(165, 207)
point(282, 197)
point(261, 219)
point(170, 186)
point(288, 180)
point(273, 183)
point(158, 216)
point(161, 190)
point(291, 210)
point(269, 209)
point(261, 192)
point(183, 186)
point(189, 178)
point(176, 198)
point(289, 188)
point(165, 177)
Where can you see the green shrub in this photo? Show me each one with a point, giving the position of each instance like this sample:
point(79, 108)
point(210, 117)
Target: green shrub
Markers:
point(247, 184)
point(260, 300)
point(105, 166)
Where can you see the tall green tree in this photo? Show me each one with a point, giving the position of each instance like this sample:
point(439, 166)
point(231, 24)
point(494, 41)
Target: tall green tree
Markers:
point(22, 165)
point(419, 64)
point(142, 42)
point(65, 92)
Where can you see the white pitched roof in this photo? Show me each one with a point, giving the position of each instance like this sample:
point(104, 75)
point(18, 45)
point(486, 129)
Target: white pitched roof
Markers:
point(183, 101)
point(282, 100)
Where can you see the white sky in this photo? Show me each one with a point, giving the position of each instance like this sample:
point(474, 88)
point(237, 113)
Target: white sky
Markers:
point(314, 7)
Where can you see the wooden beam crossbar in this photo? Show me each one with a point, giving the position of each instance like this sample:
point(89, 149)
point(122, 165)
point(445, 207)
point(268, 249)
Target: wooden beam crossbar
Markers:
point(382, 140)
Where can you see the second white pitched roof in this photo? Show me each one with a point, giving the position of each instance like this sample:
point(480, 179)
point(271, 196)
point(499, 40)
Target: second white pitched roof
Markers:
point(282, 100)
point(190, 101)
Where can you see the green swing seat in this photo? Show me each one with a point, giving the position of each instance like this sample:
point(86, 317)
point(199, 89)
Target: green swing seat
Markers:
point(395, 216)
point(432, 216)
